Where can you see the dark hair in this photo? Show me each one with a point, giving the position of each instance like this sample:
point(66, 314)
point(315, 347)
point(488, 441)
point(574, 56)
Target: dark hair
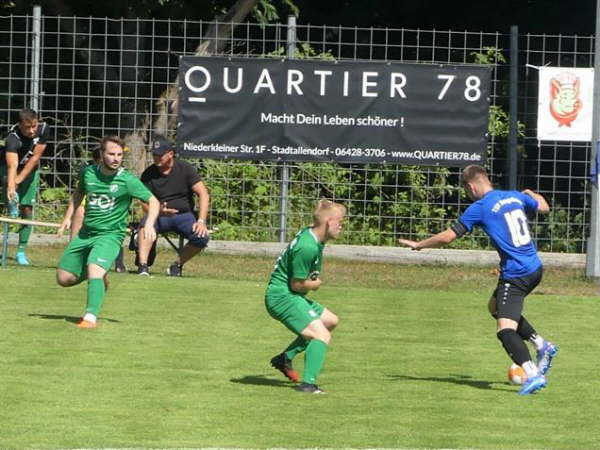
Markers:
point(27, 115)
point(96, 154)
point(114, 139)
point(472, 172)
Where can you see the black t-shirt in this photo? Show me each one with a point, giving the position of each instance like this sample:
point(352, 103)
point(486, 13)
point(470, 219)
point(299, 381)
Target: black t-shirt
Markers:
point(174, 188)
point(23, 146)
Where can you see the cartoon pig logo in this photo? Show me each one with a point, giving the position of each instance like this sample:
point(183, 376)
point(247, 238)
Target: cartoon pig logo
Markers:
point(565, 103)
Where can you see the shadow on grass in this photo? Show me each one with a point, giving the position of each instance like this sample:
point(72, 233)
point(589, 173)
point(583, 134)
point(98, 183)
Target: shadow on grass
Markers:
point(464, 380)
point(261, 380)
point(72, 319)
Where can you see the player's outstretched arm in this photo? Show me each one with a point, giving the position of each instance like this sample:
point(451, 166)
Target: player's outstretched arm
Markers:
point(543, 207)
point(435, 241)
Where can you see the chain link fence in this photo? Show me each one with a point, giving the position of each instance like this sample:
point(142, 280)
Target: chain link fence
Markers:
point(110, 76)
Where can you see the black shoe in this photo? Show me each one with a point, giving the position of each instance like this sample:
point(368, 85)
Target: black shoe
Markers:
point(175, 270)
point(143, 270)
point(120, 267)
point(309, 388)
point(284, 365)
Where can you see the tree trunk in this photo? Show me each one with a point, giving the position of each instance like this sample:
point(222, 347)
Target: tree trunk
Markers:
point(215, 40)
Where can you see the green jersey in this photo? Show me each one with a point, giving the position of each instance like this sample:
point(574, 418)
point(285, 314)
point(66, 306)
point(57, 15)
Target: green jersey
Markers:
point(108, 198)
point(302, 259)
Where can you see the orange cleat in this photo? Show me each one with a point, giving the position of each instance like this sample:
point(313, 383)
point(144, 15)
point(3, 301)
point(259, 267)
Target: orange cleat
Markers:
point(86, 324)
point(284, 365)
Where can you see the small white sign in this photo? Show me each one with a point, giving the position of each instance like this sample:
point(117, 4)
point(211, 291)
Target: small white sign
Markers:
point(565, 101)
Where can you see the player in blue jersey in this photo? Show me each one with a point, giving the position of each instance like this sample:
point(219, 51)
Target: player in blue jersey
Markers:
point(503, 216)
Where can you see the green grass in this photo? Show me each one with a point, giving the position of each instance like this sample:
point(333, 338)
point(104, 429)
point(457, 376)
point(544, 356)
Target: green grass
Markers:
point(184, 362)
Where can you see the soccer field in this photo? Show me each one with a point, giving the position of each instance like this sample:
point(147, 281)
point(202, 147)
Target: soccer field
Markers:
point(184, 363)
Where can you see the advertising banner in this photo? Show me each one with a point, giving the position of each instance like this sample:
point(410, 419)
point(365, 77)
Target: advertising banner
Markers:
point(350, 112)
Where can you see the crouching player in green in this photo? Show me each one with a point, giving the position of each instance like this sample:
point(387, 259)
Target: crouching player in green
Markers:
point(109, 189)
point(296, 273)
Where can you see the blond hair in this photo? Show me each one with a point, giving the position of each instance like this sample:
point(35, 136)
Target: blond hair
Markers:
point(327, 208)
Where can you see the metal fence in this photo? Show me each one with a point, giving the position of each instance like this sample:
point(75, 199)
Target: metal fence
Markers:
point(101, 76)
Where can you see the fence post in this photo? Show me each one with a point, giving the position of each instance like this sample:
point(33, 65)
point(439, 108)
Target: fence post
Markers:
point(35, 60)
point(285, 170)
point(592, 263)
point(512, 155)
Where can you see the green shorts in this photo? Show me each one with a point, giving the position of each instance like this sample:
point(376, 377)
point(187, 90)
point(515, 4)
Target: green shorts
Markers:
point(295, 311)
point(84, 249)
point(27, 190)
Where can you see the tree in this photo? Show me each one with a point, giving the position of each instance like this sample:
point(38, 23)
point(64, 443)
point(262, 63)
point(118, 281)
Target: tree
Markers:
point(123, 75)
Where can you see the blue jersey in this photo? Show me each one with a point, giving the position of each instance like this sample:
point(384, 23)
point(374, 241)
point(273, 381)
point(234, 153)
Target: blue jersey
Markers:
point(503, 216)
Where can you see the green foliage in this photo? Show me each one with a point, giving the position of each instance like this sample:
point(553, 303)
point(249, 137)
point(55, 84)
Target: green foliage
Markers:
point(499, 123)
point(491, 56)
point(303, 50)
point(266, 12)
point(561, 231)
point(53, 203)
point(245, 199)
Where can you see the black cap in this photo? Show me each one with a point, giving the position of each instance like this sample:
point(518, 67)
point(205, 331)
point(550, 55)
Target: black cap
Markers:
point(161, 145)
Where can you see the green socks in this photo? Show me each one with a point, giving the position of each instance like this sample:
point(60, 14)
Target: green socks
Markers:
point(313, 360)
point(24, 233)
point(298, 346)
point(95, 296)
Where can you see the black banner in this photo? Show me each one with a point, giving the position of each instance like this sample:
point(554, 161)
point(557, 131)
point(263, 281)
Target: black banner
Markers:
point(353, 112)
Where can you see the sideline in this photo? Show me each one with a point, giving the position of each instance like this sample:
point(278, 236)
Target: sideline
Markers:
point(398, 255)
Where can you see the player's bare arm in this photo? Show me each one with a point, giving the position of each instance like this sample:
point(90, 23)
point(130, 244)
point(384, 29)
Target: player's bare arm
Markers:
point(74, 203)
point(435, 241)
point(543, 207)
point(203, 202)
point(153, 211)
point(66, 222)
point(31, 163)
point(304, 286)
point(12, 162)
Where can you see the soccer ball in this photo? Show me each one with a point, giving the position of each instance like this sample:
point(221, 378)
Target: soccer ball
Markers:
point(516, 374)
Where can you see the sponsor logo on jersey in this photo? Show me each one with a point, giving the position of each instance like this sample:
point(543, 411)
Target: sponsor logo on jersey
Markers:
point(114, 187)
point(100, 201)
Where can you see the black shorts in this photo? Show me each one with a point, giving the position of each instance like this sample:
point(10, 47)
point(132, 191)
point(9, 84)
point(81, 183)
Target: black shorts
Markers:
point(510, 294)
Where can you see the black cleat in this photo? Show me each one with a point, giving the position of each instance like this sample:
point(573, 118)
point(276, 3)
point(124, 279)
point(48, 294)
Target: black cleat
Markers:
point(175, 270)
point(143, 270)
point(309, 388)
point(284, 365)
point(120, 267)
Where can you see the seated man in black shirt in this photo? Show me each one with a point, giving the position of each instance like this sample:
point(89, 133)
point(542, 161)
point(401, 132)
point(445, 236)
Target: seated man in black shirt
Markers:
point(175, 183)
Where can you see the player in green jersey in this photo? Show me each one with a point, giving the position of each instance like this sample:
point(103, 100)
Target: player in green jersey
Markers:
point(109, 190)
point(296, 273)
